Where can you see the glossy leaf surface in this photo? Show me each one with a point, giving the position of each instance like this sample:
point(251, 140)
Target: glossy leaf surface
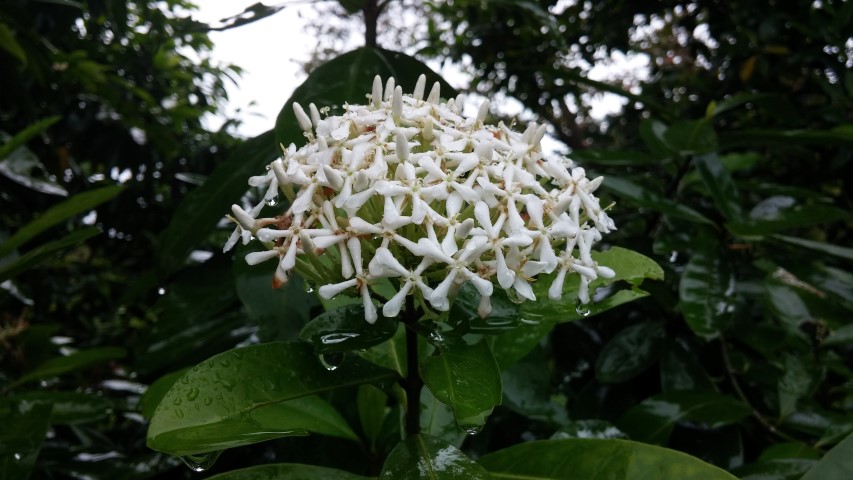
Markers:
point(599, 459)
point(630, 352)
point(467, 378)
point(424, 457)
point(653, 419)
point(706, 291)
point(251, 394)
point(344, 328)
point(45, 251)
point(69, 408)
point(76, 361)
point(25, 426)
point(645, 197)
point(288, 471)
point(837, 464)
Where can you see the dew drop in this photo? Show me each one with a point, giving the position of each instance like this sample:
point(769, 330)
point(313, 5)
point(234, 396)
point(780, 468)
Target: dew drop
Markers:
point(673, 256)
point(582, 310)
point(18, 456)
point(435, 338)
point(272, 201)
point(207, 401)
point(177, 401)
point(192, 394)
point(331, 361)
point(337, 337)
point(309, 288)
point(161, 291)
point(473, 429)
point(179, 413)
point(201, 461)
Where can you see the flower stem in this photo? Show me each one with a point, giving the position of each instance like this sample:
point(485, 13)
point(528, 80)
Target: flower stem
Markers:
point(413, 382)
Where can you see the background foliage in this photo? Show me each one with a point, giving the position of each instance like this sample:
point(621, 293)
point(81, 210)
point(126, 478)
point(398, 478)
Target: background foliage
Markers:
point(727, 165)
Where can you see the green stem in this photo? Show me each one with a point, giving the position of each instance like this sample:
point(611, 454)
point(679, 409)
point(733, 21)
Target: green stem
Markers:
point(413, 382)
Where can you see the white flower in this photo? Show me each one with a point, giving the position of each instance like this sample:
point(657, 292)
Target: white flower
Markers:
point(427, 198)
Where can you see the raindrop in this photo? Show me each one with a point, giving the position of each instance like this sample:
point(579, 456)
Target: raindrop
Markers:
point(582, 310)
point(18, 456)
point(435, 338)
point(177, 401)
point(161, 291)
point(331, 361)
point(179, 413)
point(337, 337)
point(309, 288)
point(207, 401)
point(272, 201)
point(192, 394)
point(200, 461)
point(673, 256)
point(473, 429)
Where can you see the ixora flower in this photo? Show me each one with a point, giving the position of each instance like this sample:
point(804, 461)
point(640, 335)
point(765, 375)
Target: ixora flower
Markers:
point(408, 191)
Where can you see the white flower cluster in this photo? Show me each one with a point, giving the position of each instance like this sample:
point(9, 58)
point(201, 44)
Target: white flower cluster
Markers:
point(408, 188)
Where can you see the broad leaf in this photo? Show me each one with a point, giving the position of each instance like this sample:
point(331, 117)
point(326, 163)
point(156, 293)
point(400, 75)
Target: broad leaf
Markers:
point(69, 408)
point(510, 347)
point(348, 78)
point(252, 394)
point(157, 390)
point(680, 369)
point(45, 251)
point(467, 378)
point(720, 185)
point(287, 471)
point(820, 247)
point(76, 361)
point(424, 457)
point(630, 352)
point(25, 426)
point(77, 204)
point(645, 197)
point(437, 420)
point(196, 216)
point(706, 293)
point(692, 137)
point(610, 459)
point(837, 464)
point(653, 420)
point(344, 328)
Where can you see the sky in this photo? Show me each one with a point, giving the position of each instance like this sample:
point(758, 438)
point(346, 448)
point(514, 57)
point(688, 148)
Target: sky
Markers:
point(270, 52)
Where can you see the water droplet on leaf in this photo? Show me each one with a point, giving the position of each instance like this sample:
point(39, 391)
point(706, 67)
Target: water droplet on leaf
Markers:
point(473, 429)
point(272, 201)
point(331, 361)
point(201, 461)
point(513, 297)
point(582, 310)
point(337, 337)
point(18, 456)
point(435, 338)
point(673, 256)
point(192, 394)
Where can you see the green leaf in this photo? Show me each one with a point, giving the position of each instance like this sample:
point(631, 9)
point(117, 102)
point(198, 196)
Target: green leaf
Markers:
point(653, 133)
point(720, 185)
point(610, 459)
point(45, 251)
point(279, 312)
point(372, 410)
point(25, 426)
point(630, 267)
point(820, 247)
point(348, 78)
point(837, 464)
point(463, 316)
point(252, 394)
point(797, 382)
point(390, 354)
point(287, 471)
point(76, 361)
point(437, 420)
point(839, 136)
point(840, 337)
point(23, 167)
point(692, 137)
point(780, 469)
point(510, 347)
point(69, 408)
point(344, 329)
point(630, 352)
point(425, 457)
point(11, 45)
point(645, 197)
point(527, 390)
point(653, 420)
point(706, 293)
point(27, 134)
point(467, 378)
point(680, 369)
point(782, 212)
point(157, 390)
point(77, 204)
point(198, 213)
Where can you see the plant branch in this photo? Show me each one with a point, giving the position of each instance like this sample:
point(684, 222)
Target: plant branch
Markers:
point(413, 382)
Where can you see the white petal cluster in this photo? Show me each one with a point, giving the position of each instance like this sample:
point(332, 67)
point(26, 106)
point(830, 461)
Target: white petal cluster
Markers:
point(408, 189)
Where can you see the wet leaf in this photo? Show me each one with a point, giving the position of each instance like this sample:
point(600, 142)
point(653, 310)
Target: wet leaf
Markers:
point(70, 363)
point(347, 79)
point(425, 457)
point(630, 352)
point(196, 216)
point(645, 197)
point(69, 408)
point(437, 420)
point(44, 252)
point(820, 247)
point(344, 328)
point(25, 426)
point(653, 419)
point(609, 459)
point(691, 137)
point(467, 378)
point(781, 469)
point(287, 471)
point(837, 464)
point(720, 185)
point(706, 292)
point(252, 394)
point(680, 369)
point(589, 429)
